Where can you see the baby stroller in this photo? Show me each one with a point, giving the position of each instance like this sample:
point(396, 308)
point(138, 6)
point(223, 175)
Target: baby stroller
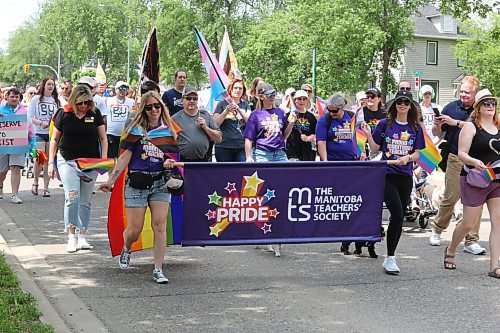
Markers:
point(28, 171)
point(422, 197)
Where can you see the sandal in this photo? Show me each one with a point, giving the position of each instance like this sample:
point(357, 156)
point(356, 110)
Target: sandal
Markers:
point(34, 189)
point(494, 273)
point(46, 193)
point(447, 263)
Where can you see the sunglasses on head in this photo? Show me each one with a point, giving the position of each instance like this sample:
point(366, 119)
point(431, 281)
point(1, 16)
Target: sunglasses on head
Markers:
point(123, 88)
point(191, 98)
point(405, 88)
point(150, 107)
point(490, 103)
point(403, 101)
point(86, 103)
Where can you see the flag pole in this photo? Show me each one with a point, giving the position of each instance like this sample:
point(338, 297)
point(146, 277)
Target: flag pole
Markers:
point(314, 71)
point(208, 55)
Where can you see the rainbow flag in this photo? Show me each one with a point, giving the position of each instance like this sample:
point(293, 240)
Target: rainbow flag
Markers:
point(430, 156)
point(117, 213)
point(227, 59)
point(360, 141)
point(489, 174)
point(100, 165)
point(321, 106)
point(218, 78)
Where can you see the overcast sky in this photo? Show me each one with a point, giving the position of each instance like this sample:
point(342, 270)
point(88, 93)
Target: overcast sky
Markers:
point(14, 13)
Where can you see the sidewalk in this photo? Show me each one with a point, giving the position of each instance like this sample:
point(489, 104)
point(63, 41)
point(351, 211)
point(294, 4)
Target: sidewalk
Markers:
point(311, 288)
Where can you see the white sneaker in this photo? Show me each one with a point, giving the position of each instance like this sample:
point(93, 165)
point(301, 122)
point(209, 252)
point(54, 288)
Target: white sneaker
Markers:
point(71, 247)
point(15, 199)
point(159, 277)
point(277, 250)
point(83, 244)
point(390, 265)
point(474, 248)
point(435, 239)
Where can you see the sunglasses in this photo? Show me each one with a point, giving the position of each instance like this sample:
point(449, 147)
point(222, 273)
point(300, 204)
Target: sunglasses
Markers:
point(187, 98)
point(123, 88)
point(490, 103)
point(301, 99)
point(31, 93)
point(64, 88)
point(403, 101)
point(405, 88)
point(86, 103)
point(150, 107)
point(271, 95)
point(371, 96)
point(307, 90)
point(333, 111)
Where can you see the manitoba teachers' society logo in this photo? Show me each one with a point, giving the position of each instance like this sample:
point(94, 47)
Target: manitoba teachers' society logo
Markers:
point(251, 204)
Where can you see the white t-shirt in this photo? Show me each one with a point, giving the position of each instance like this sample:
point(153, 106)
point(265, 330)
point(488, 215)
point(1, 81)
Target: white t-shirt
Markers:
point(100, 103)
point(116, 115)
point(43, 111)
point(428, 115)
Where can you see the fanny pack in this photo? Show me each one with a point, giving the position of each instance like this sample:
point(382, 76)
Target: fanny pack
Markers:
point(174, 181)
point(475, 178)
point(142, 180)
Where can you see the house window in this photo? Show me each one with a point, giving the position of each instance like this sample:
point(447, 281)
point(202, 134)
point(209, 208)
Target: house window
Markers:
point(435, 85)
point(447, 23)
point(432, 52)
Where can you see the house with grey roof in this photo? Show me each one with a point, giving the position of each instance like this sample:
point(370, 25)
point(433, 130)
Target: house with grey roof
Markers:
point(431, 55)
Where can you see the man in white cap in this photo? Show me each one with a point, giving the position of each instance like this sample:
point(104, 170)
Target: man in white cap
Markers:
point(360, 101)
point(118, 109)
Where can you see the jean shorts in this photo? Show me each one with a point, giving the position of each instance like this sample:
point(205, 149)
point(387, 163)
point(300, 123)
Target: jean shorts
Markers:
point(42, 137)
point(140, 198)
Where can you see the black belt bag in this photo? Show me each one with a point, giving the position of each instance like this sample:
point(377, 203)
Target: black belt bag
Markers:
point(143, 181)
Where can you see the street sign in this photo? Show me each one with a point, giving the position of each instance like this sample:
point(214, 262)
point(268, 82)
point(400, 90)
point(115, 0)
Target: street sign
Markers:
point(417, 73)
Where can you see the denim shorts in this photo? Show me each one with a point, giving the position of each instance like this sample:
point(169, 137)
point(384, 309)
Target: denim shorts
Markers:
point(42, 137)
point(140, 198)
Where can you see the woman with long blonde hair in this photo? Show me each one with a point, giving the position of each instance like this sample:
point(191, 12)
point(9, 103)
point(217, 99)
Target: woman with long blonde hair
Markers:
point(145, 182)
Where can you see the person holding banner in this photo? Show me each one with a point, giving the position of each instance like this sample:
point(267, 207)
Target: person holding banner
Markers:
point(478, 149)
point(13, 162)
point(300, 145)
point(145, 184)
point(265, 134)
point(78, 132)
point(400, 138)
point(231, 119)
point(41, 109)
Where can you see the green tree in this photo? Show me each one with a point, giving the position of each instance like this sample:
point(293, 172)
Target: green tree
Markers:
point(480, 52)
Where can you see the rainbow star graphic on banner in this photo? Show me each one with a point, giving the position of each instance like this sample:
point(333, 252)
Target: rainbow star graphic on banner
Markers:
point(429, 157)
point(249, 206)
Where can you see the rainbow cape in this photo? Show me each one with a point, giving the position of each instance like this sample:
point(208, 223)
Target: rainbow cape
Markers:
point(117, 213)
point(429, 157)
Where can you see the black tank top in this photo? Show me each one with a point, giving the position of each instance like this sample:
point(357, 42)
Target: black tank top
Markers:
point(485, 147)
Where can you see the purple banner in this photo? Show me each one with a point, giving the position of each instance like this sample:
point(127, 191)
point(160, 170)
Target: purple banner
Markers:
point(293, 202)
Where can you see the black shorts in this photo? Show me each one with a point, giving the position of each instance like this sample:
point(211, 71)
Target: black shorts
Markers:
point(113, 146)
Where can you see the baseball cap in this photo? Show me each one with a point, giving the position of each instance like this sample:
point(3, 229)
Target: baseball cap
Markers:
point(266, 88)
point(300, 93)
point(189, 90)
point(89, 81)
point(360, 95)
point(121, 84)
point(289, 91)
point(374, 91)
point(337, 101)
point(404, 94)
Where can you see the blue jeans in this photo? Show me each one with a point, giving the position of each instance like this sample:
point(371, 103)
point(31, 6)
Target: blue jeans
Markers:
point(269, 156)
point(223, 154)
point(77, 196)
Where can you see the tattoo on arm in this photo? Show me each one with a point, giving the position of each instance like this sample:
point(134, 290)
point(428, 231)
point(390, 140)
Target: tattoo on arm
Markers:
point(114, 176)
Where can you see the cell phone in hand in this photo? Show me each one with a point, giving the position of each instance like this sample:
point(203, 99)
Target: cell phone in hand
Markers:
point(436, 112)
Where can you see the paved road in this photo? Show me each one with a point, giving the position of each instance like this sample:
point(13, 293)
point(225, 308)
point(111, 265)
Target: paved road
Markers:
point(311, 288)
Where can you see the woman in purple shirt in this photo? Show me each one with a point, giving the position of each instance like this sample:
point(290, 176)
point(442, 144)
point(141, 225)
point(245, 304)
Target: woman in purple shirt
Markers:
point(400, 138)
point(267, 129)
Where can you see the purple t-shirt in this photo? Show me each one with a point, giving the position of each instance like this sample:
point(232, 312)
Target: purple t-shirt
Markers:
point(338, 138)
point(398, 141)
point(266, 128)
point(145, 156)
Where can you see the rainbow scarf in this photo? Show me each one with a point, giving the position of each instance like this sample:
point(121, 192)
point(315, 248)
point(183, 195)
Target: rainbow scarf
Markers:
point(117, 213)
point(429, 157)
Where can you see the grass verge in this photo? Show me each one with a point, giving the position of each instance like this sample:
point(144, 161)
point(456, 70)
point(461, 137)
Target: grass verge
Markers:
point(18, 311)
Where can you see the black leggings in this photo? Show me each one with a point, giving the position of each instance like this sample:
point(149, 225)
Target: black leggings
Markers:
point(396, 196)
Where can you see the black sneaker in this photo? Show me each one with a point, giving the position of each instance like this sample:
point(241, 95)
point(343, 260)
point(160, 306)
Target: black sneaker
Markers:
point(124, 260)
point(159, 277)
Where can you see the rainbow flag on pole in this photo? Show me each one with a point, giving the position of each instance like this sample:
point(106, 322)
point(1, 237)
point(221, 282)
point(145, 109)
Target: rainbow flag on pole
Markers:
point(227, 59)
point(430, 156)
point(489, 174)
